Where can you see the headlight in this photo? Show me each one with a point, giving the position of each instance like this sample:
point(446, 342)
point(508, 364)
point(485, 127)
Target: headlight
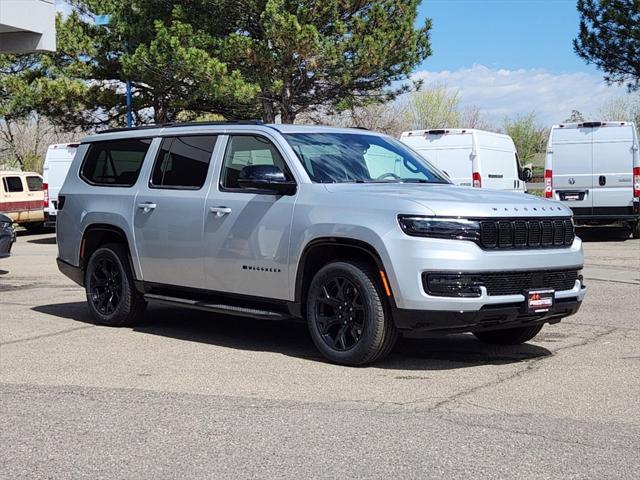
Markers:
point(4, 225)
point(436, 227)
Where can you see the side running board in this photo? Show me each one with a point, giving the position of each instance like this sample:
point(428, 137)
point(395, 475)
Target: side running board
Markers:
point(217, 307)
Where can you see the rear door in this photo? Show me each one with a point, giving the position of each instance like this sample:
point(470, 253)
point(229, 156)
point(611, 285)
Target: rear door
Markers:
point(572, 167)
point(498, 169)
point(56, 167)
point(612, 169)
point(169, 212)
point(457, 162)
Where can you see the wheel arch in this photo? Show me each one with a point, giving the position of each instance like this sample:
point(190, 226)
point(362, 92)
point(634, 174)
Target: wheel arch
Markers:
point(320, 251)
point(96, 235)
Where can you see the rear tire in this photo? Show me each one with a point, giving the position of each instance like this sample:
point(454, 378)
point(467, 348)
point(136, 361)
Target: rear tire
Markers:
point(347, 315)
point(111, 295)
point(635, 230)
point(510, 336)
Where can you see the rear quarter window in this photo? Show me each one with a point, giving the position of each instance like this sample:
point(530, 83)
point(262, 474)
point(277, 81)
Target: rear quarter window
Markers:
point(114, 163)
point(34, 184)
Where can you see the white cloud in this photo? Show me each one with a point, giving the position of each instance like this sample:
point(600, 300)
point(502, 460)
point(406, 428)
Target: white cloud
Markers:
point(501, 93)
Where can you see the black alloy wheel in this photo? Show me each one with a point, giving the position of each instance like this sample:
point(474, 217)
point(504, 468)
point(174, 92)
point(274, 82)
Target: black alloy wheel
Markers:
point(109, 283)
point(348, 316)
point(105, 286)
point(340, 314)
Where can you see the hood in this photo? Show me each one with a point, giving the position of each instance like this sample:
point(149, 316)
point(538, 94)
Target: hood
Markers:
point(5, 219)
point(455, 201)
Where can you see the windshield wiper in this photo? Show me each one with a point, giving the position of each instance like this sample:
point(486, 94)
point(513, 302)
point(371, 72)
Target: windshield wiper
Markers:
point(359, 180)
point(422, 180)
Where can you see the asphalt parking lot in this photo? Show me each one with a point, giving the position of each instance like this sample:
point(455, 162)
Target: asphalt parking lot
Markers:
point(191, 395)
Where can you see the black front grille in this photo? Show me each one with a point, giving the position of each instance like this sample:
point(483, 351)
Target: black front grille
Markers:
point(526, 233)
point(512, 283)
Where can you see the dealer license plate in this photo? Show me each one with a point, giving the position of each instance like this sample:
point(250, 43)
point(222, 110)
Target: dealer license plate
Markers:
point(539, 301)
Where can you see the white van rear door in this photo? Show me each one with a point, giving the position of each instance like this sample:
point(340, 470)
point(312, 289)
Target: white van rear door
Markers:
point(56, 166)
point(572, 167)
point(456, 162)
point(612, 167)
point(498, 169)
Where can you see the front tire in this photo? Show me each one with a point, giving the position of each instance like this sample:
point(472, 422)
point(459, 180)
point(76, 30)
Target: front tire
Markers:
point(111, 294)
point(347, 316)
point(510, 336)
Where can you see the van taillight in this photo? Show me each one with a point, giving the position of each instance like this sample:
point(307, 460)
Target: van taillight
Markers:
point(548, 183)
point(45, 188)
point(636, 181)
point(477, 180)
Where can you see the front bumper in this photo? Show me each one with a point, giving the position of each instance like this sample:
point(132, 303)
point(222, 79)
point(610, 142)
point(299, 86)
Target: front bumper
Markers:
point(411, 257)
point(490, 317)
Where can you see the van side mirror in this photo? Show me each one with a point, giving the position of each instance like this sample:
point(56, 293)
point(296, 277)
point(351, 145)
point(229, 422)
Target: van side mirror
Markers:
point(269, 178)
point(527, 174)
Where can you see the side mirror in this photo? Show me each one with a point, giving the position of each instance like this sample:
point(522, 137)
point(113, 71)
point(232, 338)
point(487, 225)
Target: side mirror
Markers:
point(527, 174)
point(266, 178)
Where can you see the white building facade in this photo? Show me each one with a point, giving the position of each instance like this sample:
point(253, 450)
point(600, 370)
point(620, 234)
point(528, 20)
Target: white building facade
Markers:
point(27, 26)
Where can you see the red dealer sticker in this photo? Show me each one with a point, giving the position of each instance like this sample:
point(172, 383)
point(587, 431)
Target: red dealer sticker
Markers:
point(539, 301)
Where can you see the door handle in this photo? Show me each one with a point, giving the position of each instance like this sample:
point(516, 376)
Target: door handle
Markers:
point(602, 180)
point(147, 207)
point(220, 211)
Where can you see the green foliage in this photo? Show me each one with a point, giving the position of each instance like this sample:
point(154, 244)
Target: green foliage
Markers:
point(610, 38)
point(328, 55)
point(435, 107)
point(234, 58)
point(529, 138)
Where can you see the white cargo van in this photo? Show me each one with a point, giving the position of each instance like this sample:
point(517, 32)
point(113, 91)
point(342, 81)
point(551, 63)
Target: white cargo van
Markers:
point(56, 165)
point(594, 168)
point(472, 157)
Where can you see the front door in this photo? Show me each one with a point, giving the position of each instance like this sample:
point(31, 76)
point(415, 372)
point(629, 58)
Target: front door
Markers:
point(169, 212)
point(247, 232)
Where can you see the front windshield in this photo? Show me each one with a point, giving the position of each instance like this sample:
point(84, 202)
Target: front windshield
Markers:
point(360, 158)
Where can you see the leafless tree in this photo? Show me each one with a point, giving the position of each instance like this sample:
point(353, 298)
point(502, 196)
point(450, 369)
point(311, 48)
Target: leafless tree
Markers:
point(24, 143)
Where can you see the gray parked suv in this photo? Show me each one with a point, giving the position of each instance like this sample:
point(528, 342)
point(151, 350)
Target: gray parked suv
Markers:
point(347, 229)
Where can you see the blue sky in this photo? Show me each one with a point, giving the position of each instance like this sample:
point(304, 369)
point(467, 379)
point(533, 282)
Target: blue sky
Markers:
point(510, 57)
point(508, 34)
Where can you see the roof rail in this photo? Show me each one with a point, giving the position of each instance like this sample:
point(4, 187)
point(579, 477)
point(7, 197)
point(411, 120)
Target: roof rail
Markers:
point(183, 124)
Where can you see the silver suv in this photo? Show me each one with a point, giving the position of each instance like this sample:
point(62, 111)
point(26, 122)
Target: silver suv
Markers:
point(349, 230)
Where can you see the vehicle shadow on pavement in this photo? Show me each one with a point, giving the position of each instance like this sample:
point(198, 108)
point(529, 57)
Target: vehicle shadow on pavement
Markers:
point(292, 339)
point(43, 241)
point(603, 234)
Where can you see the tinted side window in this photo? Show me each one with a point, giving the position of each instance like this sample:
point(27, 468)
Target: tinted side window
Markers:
point(183, 162)
point(115, 163)
point(244, 150)
point(12, 184)
point(34, 184)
